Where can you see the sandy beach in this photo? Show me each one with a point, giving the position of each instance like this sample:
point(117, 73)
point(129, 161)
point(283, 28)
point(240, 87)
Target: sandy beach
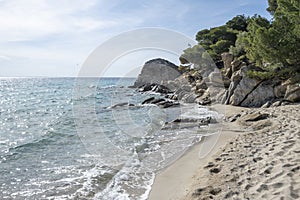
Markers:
point(256, 157)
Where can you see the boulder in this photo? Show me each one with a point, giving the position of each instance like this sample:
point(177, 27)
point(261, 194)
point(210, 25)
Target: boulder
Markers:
point(216, 94)
point(228, 72)
point(266, 105)
point(149, 100)
point(264, 92)
point(156, 101)
point(118, 105)
point(186, 88)
point(235, 80)
point(156, 71)
point(280, 90)
point(204, 101)
point(253, 117)
point(161, 89)
point(201, 85)
point(155, 88)
point(189, 98)
point(235, 65)
point(215, 78)
point(248, 92)
point(292, 93)
point(197, 75)
point(167, 104)
point(227, 81)
point(172, 85)
point(276, 104)
point(227, 58)
point(243, 87)
point(200, 92)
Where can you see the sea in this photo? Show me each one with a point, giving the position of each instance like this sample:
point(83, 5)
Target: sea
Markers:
point(86, 138)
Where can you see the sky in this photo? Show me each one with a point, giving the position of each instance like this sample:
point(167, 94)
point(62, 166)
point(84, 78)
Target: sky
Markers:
point(55, 37)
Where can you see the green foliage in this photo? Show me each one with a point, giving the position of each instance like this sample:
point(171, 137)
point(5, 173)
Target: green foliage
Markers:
point(249, 40)
point(192, 55)
point(238, 23)
point(272, 45)
point(265, 75)
point(216, 40)
point(238, 49)
point(279, 42)
point(271, 72)
point(272, 6)
point(183, 68)
point(221, 46)
point(197, 56)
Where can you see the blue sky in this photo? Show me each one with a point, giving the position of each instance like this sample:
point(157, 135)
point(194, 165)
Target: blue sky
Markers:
point(54, 37)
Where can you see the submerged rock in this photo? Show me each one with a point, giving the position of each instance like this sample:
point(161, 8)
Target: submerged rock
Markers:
point(162, 103)
point(149, 100)
point(120, 105)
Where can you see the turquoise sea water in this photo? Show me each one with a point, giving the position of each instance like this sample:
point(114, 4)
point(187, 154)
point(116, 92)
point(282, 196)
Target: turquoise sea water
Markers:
point(60, 139)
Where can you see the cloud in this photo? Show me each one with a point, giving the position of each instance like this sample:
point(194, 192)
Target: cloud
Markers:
point(60, 34)
point(5, 58)
point(31, 19)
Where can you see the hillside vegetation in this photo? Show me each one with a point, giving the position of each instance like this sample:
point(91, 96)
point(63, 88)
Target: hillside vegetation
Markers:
point(273, 45)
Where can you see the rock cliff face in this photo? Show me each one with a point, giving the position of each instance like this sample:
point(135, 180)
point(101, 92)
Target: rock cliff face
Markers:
point(157, 71)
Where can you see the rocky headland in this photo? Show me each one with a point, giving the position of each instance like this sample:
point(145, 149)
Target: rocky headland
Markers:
point(230, 85)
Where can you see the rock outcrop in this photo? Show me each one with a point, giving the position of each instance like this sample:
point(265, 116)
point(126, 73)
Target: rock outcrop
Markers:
point(232, 85)
point(292, 93)
point(157, 71)
point(247, 92)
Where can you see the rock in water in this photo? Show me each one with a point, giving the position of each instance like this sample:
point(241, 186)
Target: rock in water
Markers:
point(149, 100)
point(156, 71)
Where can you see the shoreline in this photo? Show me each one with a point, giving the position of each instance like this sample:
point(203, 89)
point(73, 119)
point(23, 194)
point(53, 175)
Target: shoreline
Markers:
point(167, 186)
point(252, 159)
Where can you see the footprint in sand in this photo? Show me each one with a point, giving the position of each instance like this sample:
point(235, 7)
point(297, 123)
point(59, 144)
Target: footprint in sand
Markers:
point(277, 185)
point(262, 187)
point(280, 153)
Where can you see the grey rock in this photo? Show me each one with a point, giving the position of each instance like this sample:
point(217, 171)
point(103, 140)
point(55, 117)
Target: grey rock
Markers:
point(118, 105)
point(201, 85)
point(161, 89)
point(292, 93)
point(253, 117)
point(156, 71)
point(204, 101)
point(186, 88)
point(189, 98)
point(280, 90)
point(235, 80)
point(156, 101)
point(233, 118)
point(149, 100)
point(266, 105)
point(155, 88)
point(276, 104)
point(216, 94)
point(172, 85)
point(227, 58)
point(243, 88)
point(235, 65)
point(228, 72)
point(215, 79)
point(168, 104)
point(264, 92)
